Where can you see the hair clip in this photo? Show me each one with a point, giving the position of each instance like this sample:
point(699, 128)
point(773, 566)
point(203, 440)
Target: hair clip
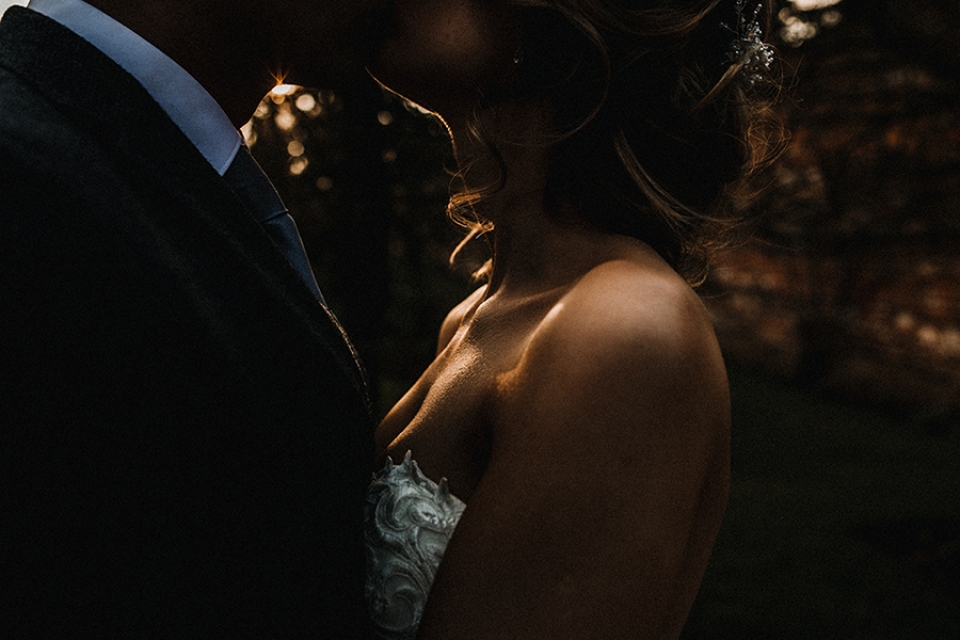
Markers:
point(748, 52)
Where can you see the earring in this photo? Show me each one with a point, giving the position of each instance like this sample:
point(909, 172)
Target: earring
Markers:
point(518, 55)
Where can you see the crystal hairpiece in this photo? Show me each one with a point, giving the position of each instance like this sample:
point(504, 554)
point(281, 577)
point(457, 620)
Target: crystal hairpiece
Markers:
point(748, 51)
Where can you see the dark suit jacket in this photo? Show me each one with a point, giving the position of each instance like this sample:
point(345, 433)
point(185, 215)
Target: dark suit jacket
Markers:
point(184, 433)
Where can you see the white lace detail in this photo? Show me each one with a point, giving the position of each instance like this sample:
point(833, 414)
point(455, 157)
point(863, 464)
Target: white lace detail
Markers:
point(409, 521)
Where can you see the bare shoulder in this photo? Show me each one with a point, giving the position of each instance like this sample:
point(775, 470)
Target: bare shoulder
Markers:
point(624, 301)
point(608, 472)
point(632, 338)
point(455, 318)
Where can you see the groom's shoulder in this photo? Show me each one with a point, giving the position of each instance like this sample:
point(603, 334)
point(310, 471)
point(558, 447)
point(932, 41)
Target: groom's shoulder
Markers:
point(32, 126)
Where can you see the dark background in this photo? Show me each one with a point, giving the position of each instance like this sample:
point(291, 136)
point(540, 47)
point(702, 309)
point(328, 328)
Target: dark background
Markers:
point(849, 285)
point(840, 318)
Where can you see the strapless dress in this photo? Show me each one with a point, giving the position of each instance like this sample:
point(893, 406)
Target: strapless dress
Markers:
point(409, 521)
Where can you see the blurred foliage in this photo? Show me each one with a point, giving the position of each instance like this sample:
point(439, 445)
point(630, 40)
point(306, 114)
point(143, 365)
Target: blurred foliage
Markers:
point(843, 522)
point(872, 170)
point(366, 175)
point(852, 283)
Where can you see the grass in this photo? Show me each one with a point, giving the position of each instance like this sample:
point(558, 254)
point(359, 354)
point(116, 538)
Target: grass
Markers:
point(843, 522)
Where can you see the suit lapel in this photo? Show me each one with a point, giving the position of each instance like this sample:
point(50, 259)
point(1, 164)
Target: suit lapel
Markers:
point(114, 106)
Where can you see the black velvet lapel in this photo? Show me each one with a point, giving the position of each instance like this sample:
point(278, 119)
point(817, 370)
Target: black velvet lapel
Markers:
point(81, 80)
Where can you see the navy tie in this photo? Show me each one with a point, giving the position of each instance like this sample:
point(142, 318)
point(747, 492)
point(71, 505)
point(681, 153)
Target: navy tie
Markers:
point(254, 189)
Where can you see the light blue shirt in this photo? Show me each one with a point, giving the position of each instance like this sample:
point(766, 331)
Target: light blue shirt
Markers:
point(187, 103)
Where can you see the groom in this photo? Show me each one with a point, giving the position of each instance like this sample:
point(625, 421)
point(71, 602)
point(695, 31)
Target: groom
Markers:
point(185, 437)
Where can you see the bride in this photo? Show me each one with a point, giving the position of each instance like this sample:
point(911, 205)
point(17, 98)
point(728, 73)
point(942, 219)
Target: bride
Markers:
point(578, 407)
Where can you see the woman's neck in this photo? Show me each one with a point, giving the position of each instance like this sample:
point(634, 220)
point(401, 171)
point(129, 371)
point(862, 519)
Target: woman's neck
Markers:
point(535, 251)
point(534, 248)
point(523, 227)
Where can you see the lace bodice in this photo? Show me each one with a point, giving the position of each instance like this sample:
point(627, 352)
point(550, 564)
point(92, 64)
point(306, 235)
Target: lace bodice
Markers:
point(409, 521)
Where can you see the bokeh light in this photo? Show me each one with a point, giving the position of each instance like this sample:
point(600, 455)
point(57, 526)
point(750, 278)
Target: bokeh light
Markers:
point(801, 20)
